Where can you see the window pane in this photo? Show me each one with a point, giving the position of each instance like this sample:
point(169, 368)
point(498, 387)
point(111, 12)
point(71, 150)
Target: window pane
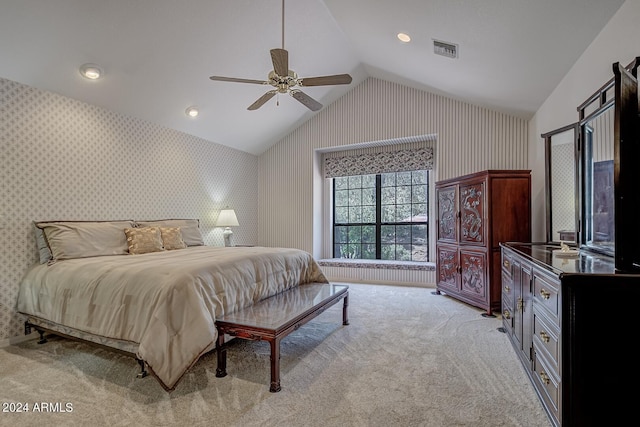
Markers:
point(388, 195)
point(388, 213)
point(419, 212)
point(355, 197)
point(368, 214)
point(355, 181)
point(388, 234)
point(419, 234)
point(403, 234)
point(355, 234)
point(403, 213)
point(341, 183)
point(403, 178)
point(342, 215)
point(341, 198)
point(355, 214)
point(352, 251)
point(419, 194)
point(403, 252)
point(420, 253)
point(339, 250)
point(369, 251)
point(340, 234)
point(388, 179)
point(369, 196)
point(388, 252)
point(369, 234)
point(403, 194)
point(368, 181)
point(419, 177)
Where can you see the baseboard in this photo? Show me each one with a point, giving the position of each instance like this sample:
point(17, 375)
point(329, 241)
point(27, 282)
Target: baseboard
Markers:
point(17, 340)
point(334, 279)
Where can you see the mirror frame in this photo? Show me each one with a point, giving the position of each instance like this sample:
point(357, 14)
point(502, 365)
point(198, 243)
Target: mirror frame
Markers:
point(549, 182)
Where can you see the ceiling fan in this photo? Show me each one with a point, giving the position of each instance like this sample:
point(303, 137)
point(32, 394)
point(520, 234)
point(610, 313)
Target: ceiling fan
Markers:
point(285, 80)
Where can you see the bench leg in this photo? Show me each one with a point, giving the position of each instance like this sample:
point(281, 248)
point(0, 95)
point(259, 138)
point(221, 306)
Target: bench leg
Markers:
point(345, 306)
point(221, 350)
point(275, 365)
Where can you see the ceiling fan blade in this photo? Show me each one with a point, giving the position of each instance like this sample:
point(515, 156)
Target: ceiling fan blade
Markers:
point(338, 79)
point(305, 99)
point(260, 101)
point(233, 79)
point(280, 59)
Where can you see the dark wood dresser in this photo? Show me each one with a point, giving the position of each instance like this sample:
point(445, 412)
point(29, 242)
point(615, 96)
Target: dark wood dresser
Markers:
point(475, 213)
point(572, 322)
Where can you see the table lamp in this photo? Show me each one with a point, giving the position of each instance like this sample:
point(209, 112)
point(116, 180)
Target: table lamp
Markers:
point(227, 218)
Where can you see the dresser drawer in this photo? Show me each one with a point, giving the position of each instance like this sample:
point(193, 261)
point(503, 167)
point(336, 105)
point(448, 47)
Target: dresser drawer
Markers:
point(507, 316)
point(507, 288)
point(507, 262)
point(545, 339)
point(548, 385)
point(545, 295)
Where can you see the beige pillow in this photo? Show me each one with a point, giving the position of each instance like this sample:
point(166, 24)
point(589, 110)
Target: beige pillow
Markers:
point(80, 239)
point(143, 240)
point(190, 229)
point(172, 238)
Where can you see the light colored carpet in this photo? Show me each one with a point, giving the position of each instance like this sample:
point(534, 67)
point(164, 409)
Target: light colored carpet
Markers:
point(408, 358)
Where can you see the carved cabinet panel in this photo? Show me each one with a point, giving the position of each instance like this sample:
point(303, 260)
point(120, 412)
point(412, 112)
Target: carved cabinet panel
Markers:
point(473, 271)
point(475, 213)
point(472, 213)
point(447, 214)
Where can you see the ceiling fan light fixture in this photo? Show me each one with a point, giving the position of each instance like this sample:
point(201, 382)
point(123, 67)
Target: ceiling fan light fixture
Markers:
point(90, 71)
point(192, 111)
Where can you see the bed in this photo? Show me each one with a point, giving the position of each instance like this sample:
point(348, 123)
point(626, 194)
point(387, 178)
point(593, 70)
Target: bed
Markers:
point(156, 297)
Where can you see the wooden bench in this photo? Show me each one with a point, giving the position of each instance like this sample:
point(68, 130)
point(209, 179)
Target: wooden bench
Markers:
point(276, 317)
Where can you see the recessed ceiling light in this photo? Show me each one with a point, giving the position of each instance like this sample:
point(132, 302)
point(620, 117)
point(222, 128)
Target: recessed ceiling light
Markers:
point(90, 71)
point(404, 37)
point(192, 111)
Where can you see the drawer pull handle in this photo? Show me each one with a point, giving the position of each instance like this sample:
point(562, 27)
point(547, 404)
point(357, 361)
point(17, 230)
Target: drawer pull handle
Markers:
point(507, 314)
point(520, 303)
point(545, 294)
point(544, 336)
point(507, 288)
point(506, 263)
point(544, 378)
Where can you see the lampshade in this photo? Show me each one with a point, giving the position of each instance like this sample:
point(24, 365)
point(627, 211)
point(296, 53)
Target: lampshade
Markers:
point(227, 218)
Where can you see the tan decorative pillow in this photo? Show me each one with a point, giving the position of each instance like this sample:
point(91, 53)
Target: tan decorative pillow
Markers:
point(190, 229)
point(143, 240)
point(172, 238)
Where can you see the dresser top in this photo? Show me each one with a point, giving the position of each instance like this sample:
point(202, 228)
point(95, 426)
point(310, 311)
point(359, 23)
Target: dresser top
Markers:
point(585, 262)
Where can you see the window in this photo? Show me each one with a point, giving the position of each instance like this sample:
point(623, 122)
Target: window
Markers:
point(382, 216)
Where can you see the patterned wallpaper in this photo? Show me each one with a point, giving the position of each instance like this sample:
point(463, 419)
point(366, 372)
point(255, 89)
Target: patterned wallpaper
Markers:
point(64, 159)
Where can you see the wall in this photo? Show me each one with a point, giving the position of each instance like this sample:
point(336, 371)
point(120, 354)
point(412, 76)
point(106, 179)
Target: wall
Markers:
point(469, 139)
point(617, 42)
point(63, 159)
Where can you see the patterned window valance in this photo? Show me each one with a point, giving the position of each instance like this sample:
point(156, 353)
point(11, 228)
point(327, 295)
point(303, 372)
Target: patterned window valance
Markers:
point(374, 163)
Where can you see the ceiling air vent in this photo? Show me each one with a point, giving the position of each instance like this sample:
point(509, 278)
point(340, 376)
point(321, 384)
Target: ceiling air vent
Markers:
point(449, 50)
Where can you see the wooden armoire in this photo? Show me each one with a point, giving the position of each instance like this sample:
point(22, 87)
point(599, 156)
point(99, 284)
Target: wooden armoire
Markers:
point(475, 213)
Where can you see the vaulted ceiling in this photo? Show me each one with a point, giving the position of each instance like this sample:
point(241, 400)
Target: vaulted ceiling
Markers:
point(157, 55)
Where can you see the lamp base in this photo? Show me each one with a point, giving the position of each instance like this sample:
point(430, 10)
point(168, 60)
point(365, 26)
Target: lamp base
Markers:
point(227, 233)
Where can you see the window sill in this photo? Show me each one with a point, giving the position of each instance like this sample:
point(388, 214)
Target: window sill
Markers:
point(377, 263)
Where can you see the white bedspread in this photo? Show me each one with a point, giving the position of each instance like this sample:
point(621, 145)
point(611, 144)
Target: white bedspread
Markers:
point(166, 302)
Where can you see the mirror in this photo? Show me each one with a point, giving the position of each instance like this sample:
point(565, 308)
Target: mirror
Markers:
point(598, 195)
point(561, 159)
